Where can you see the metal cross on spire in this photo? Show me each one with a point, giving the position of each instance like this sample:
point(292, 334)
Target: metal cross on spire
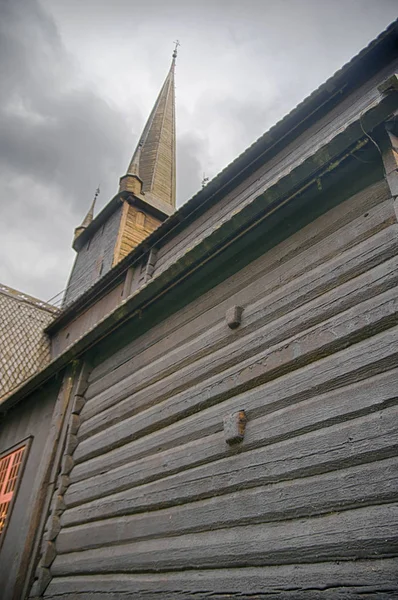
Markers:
point(177, 43)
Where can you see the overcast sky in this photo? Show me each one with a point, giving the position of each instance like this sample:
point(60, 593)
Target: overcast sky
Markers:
point(79, 77)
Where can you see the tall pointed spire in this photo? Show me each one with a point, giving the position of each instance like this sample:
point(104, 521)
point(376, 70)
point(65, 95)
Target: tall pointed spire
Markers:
point(146, 197)
point(152, 170)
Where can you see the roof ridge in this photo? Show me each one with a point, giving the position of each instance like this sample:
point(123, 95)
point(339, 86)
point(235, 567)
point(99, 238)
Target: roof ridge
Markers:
point(26, 298)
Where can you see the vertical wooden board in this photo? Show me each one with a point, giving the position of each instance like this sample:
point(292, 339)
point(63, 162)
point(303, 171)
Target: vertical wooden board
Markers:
point(131, 233)
point(86, 320)
point(102, 244)
point(30, 422)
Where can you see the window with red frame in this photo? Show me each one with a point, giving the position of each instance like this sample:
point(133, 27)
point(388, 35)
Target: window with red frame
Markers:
point(9, 470)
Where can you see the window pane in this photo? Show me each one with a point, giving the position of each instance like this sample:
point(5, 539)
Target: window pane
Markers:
point(9, 470)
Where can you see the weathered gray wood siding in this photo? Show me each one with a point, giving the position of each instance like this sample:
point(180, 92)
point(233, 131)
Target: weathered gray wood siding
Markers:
point(98, 251)
point(29, 420)
point(160, 506)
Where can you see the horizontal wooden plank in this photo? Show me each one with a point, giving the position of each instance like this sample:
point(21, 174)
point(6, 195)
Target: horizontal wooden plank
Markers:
point(249, 285)
point(365, 439)
point(319, 580)
point(301, 414)
point(346, 328)
point(362, 360)
point(359, 533)
point(379, 279)
point(361, 485)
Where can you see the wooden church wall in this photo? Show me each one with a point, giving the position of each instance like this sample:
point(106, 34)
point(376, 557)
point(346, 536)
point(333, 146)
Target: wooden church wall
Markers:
point(27, 424)
point(160, 506)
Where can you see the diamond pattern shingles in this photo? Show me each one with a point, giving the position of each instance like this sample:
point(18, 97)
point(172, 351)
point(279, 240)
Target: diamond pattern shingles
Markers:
point(24, 347)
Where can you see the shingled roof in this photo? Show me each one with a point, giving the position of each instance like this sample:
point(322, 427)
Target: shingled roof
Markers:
point(24, 347)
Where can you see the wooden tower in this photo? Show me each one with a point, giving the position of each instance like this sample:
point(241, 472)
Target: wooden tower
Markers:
point(146, 197)
point(149, 185)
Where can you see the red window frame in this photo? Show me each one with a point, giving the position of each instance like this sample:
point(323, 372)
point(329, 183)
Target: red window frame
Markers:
point(10, 470)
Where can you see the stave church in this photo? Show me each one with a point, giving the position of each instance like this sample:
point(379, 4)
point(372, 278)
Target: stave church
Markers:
point(212, 413)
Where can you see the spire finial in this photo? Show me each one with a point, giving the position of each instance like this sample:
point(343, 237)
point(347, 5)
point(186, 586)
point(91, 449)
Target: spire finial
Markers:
point(89, 216)
point(177, 43)
point(205, 180)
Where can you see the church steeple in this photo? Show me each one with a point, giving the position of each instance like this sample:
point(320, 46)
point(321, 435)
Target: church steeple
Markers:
point(152, 169)
point(146, 197)
point(149, 186)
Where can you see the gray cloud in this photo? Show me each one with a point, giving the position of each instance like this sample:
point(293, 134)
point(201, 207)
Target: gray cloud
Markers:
point(79, 79)
point(54, 127)
point(190, 149)
point(59, 139)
